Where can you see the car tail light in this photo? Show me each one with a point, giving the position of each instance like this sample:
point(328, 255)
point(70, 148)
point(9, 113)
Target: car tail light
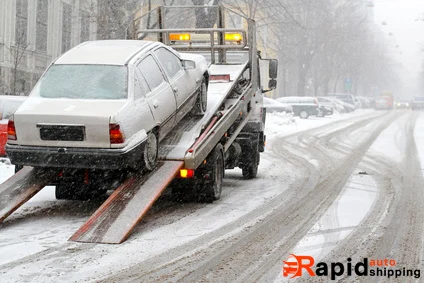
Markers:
point(11, 131)
point(115, 133)
point(186, 173)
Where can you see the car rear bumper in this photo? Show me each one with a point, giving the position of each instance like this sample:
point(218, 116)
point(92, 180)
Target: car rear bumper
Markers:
point(90, 158)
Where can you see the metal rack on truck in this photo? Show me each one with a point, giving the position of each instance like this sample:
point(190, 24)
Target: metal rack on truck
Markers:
point(194, 156)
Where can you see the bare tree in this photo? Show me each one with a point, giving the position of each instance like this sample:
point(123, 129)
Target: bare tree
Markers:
point(17, 52)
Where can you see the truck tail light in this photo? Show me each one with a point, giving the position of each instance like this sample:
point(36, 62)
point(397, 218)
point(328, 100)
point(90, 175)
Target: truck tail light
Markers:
point(115, 133)
point(11, 131)
point(186, 173)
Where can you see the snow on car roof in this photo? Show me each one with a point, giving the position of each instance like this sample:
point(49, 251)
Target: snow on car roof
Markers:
point(104, 52)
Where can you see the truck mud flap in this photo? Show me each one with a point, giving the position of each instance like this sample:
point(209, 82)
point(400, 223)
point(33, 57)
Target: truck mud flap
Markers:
point(114, 220)
point(21, 187)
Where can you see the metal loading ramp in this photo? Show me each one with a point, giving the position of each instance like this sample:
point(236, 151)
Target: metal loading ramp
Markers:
point(116, 218)
point(20, 188)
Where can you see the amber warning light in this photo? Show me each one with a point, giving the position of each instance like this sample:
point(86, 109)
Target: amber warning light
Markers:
point(233, 37)
point(179, 37)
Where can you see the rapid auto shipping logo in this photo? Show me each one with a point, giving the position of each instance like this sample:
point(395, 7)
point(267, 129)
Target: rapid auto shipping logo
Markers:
point(297, 265)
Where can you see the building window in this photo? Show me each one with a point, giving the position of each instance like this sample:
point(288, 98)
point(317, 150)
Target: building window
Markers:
point(42, 19)
point(21, 23)
point(85, 26)
point(66, 27)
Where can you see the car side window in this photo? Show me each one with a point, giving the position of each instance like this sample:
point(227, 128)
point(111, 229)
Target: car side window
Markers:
point(170, 63)
point(141, 89)
point(151, 72)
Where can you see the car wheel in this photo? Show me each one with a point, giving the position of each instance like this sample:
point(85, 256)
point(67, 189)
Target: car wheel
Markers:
point(320, 113)
point(150, 153)
point(202, 100)
point(304, 114)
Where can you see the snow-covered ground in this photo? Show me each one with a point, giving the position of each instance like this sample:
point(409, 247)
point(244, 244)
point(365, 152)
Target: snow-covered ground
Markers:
point(39, 230)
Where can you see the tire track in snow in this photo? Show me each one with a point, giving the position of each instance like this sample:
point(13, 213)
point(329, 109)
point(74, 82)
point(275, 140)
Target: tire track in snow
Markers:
point(235, 258)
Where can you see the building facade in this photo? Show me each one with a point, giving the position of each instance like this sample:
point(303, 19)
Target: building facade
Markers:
point(35, 32)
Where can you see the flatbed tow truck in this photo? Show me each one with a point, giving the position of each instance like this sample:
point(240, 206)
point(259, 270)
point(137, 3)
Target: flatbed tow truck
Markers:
point(194, 156)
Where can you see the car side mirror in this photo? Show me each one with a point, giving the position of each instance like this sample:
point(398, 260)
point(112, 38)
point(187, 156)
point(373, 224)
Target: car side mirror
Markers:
point(188, 64)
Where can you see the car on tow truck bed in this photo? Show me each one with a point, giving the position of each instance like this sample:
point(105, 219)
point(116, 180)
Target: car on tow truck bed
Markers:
point(106, 105)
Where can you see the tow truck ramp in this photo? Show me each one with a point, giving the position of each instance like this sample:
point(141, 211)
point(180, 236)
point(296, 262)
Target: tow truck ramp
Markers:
point(114, 220)
point(19, 188)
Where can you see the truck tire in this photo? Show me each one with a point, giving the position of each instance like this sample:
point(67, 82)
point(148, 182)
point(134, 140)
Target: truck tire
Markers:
point(212, 187)
point(150, 152)
point(202, 99)
point(250, 170)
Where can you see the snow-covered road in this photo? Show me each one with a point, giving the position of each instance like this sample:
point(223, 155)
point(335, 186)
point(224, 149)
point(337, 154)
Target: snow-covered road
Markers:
point(333, 188)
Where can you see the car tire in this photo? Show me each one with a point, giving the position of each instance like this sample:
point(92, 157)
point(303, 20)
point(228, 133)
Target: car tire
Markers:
point(304, 114)
point(320, 113)
point(202, 99)
point(212, 188)
point(150, 152)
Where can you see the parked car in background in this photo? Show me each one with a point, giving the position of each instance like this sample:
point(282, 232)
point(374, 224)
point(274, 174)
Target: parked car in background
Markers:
point(329, 103)
point(345, 97)
point(417, 103)
point(106, 105)
point(348, 104)
point(8, 105)
point(358, 103)
point(302, 106)
point(273, 105)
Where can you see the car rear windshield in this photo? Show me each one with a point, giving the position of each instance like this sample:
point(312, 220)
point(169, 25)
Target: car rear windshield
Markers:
point(84, 82)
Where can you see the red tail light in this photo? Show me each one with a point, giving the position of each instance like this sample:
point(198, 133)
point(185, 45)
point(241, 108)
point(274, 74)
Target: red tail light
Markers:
point(316, 102)
point(116, 136)
point(11, 131)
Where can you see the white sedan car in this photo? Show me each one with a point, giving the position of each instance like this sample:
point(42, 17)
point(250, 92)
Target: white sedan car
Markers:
point(106, 105)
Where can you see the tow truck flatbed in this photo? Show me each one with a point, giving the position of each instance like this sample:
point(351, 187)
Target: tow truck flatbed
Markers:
point(195, 154)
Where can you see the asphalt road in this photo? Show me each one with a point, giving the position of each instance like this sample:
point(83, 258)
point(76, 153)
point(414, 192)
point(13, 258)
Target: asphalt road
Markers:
point(325, 158)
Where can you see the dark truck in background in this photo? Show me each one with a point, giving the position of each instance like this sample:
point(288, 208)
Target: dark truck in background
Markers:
point(417, 103)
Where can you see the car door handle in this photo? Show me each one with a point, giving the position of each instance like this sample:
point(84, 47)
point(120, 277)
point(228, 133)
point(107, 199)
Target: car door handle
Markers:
point(155, 104)
point(175, 89)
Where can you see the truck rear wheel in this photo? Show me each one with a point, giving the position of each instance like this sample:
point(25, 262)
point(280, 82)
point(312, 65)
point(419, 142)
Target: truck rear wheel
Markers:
point(213, 186)
point(250, 170)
